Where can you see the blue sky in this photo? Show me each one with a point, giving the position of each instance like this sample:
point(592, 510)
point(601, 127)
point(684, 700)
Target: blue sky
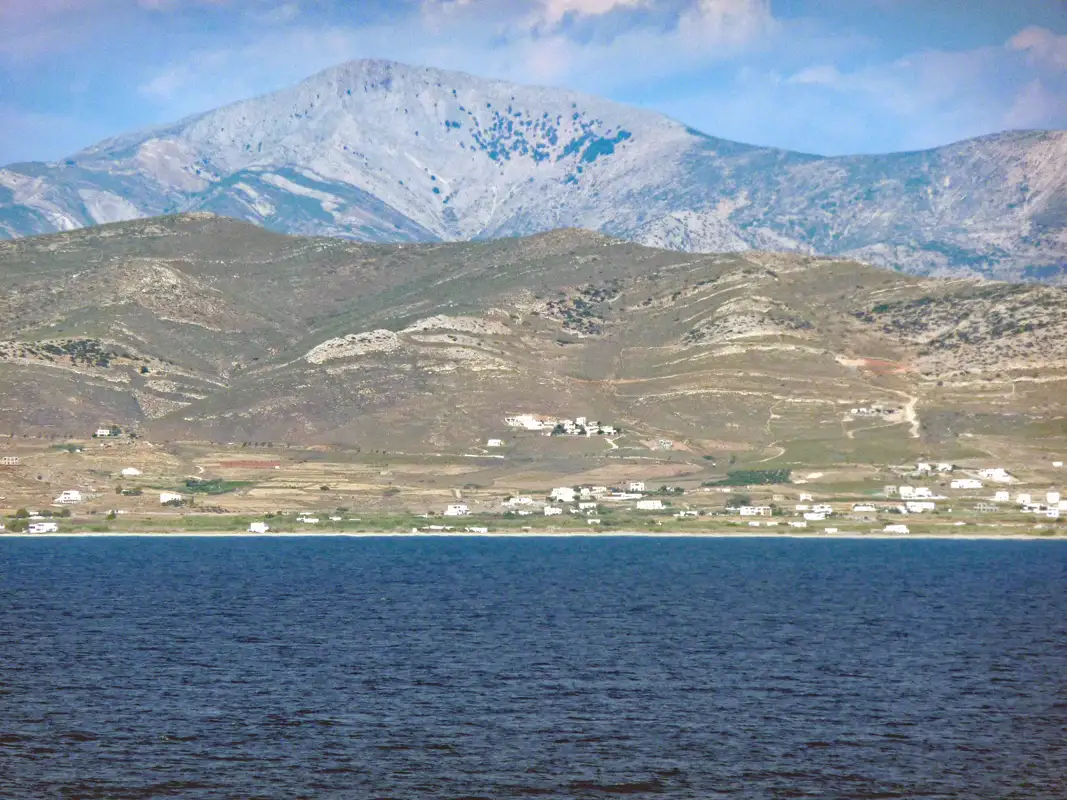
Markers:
point(823, 76)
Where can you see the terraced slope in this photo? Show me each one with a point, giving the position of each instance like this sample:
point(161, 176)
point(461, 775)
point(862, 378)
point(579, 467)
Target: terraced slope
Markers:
point(202, 327)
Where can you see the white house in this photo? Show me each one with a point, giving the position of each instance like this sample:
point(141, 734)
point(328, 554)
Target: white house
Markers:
point(1057, 464)
point(755, 511)
point(519, 501)
point(804, 496)
point(891, 491)
point(944, 467)
point(754, 524)
point(624, 496)
point(43, 527)
point(564, 494)
point(829, 530)
point(1022, 499)
point(636, 486)
point(822, 508)
point(895, 529)
point(551, 511)
point(476, 529)
point(130, 472)
point(10, 461)
point(863, 507)
point(923, 468)
point(1001, 497)
point(308, 520)
point(1053, 513)
point(649, 505)
point(495, 443)
point(69, 497)
point(906, 492)
point(689, 513)
point(966, 483)
point(798, 524)
point(995, 474)
point(1052, 498)
point(102, 432)
point(457, 510)
point(169, 497)
point(528, 422)
point(811, 516)
point(919, 506)
point(587, 506)
point(592, 521)
point(595, 491)
point(258, 527)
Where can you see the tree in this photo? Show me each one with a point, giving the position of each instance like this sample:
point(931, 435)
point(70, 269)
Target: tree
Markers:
point(22, 514)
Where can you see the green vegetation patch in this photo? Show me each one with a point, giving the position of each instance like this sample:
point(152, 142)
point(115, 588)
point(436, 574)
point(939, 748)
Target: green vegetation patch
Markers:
point(752, 477)
point(215, 486)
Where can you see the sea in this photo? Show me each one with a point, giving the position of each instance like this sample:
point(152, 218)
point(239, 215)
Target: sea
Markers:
point(537, 667)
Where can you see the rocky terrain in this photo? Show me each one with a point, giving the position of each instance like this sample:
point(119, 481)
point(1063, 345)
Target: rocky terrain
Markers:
point(207, 328)
point(381, 152)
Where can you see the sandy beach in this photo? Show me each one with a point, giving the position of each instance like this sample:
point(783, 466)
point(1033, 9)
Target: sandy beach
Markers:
point(534, 535)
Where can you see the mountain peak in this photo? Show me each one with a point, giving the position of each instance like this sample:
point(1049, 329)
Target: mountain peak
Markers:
point(379, 150)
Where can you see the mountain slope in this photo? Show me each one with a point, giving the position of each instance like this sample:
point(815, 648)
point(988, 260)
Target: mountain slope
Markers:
point(202, 327)
point(382, 152)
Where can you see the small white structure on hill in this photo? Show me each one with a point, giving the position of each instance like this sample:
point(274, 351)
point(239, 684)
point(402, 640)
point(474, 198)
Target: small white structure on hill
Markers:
point(308, 520)
point(649, 505)
point(457, 510)
point(919, 506)
point(891, 491)
point(528, 422)
point(169, 497)
point(495, 443)
point(589, 505)
point(995, 474)
point(102, 433)
point(1057, 464)
point(69, 497)
point(863, 507)
point(823, 508)
point(552, 511)
point(258, 527)
point(924, 468)
point(1001, 497)
point(10, 461)
point(798, 524)
point(636, 486)
point(755, 511)
point(519, 501)
point(1023, 499)
point(812, 516)
point(1052, 498)
point(130, 472)
point(896, 529)
point(43, 527)
point(966, 483)
point(944, 467)
point(1053, 513)
point(564, 494)
point(804, 496)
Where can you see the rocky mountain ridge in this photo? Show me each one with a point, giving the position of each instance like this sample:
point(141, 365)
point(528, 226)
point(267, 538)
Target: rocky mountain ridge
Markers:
point(381, 152)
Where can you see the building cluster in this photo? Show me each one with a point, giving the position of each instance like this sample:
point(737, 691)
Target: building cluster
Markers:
point(550, 426)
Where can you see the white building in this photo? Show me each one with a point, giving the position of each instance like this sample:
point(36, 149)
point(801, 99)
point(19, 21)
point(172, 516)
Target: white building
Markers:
point(966, 483)
point(529, 422)
point(457, 510)
point(755, 511)
point(906, 492)
point(811, 516)
point(804, 496)
point(587, 506)
point(495, 443)
point(1001, 497)
point(995, 474)
point(822, 508)
point(863, 507)
point(896, 529)
point(519, 501)
point(684, 514)
point(551, 511)
point(919, 506)
point(1057, 464)
point(890, 491)
point(595, 491)
point(10, 461)
point(43, 527)
point(69, 497)
point(624, 496)
point(944, 467)
point(1023, 499)
point(169, 497)
point(803, 507)
point(1053, 513)
point(636, 486)
point(102, 432)
point(592, 521)
point(308, 520)
point(798, 524)
point(830, 530)
point(130, 472)
point(649, 505)
point(1052, 498)
point(564, 494)
point(258, 527)
point(923, 468)
point(476, 529)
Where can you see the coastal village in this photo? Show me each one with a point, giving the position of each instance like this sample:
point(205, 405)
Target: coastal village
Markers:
point(923, 497)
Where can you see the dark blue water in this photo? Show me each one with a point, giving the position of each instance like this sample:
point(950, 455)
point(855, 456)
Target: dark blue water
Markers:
point(359, 668)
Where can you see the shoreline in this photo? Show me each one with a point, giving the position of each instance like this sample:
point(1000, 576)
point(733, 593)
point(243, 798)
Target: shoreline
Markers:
point(533, 535)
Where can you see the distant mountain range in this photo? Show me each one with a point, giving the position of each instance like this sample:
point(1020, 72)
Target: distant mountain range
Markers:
point(381, 152)
point(206, 328)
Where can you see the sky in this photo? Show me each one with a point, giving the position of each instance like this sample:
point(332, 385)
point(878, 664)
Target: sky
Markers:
point(820, 76)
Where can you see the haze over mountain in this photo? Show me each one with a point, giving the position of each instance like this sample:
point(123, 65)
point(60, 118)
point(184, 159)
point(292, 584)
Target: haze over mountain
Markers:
point(201, 327)
point(382, 152)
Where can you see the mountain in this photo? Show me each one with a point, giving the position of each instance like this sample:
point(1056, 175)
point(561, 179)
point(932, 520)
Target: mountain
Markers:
point(202, 327)
point(381, 152)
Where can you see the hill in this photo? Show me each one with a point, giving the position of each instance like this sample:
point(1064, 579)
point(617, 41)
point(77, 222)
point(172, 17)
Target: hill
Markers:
point(381, 152)
point(202, 327)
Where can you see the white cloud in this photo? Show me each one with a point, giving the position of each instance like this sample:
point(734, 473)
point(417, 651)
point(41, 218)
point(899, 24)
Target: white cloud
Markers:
point(821, 75)
point(1046, 48)
point(712, 23)
point(554, 11)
